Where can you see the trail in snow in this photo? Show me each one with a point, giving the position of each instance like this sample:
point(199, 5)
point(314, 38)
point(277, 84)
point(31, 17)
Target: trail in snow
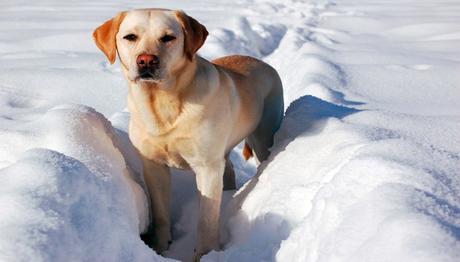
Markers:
point(366, 163)
point(365, 166)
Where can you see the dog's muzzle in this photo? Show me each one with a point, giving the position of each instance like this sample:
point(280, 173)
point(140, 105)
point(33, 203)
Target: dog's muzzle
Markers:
point(148, 66)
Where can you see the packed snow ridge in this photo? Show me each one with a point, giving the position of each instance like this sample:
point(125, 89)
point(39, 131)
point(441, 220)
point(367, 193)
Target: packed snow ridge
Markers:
point(364, 168)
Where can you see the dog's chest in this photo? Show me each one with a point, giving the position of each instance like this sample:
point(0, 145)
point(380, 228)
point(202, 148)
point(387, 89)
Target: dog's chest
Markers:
point(160, 134)
point(168, 154)
point(168, 149)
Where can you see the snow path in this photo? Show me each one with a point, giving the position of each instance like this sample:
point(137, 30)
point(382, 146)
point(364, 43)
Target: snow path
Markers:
point(366, 163)
point(364, 168)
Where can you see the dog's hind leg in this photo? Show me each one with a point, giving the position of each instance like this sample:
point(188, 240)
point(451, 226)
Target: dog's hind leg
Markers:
point(261, 139)
point(229, 175)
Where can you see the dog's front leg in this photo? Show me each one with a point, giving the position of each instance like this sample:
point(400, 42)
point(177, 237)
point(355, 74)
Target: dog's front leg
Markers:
point(158, 180)
point(209, 179)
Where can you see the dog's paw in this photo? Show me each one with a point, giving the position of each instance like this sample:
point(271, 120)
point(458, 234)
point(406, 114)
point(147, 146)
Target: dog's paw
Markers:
point(199, 252)
point(148, 239)
point(162, 239)
point(156, 242)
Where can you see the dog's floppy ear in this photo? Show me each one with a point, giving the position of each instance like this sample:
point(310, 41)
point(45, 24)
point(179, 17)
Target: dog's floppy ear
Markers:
point(194, 32)
point(105, 36)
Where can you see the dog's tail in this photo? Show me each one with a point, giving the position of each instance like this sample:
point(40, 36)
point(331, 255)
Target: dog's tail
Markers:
point(247, 151)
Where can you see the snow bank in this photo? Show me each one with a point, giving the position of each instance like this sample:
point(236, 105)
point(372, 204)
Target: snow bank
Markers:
point(365, 166)
point(74, 197)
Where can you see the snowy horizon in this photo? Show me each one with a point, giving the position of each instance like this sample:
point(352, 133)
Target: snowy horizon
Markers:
point(365, 167)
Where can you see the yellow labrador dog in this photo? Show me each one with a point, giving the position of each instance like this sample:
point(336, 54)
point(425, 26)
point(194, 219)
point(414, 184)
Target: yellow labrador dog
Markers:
point(187, 112)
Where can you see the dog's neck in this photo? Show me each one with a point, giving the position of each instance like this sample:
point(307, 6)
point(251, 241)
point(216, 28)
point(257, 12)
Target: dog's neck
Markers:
point(160, 104)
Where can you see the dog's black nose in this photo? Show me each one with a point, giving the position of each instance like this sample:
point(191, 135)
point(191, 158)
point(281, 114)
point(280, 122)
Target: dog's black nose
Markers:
point(147, 60)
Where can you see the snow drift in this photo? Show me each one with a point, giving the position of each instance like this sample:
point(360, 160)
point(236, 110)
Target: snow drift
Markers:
point(72, 197)
point(365, 166)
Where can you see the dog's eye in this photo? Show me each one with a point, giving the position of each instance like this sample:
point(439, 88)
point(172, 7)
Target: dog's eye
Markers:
point(130, 37)
point(167, 38)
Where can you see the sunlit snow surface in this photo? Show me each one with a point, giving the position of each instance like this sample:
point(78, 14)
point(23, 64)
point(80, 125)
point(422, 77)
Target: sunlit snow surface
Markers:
point(366, 166)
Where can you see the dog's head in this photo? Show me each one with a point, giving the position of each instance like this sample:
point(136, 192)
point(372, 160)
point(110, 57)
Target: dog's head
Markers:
point(152, 44)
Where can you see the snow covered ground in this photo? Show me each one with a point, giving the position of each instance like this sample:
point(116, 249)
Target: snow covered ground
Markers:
point(366, 166)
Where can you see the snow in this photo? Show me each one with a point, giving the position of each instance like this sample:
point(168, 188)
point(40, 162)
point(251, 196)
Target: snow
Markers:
point(70, 188)
point(364, 168)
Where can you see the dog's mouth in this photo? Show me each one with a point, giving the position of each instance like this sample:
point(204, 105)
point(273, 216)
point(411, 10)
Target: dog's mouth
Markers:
point(148, 74)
